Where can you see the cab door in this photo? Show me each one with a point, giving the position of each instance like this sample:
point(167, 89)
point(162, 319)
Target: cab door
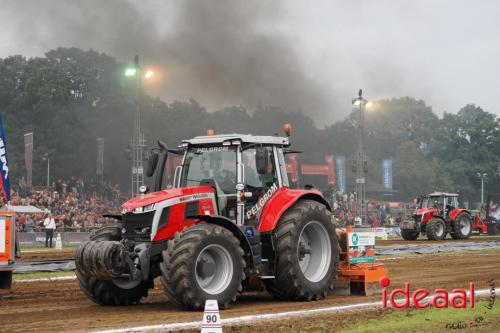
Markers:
point(261, 180)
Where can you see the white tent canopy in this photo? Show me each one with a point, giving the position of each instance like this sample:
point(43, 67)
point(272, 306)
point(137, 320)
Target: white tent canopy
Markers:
point(26, 209)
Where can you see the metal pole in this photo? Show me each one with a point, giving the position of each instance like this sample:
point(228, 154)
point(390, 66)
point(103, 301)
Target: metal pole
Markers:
point(482, 190)
point(48, 171)
point(138, 137)
point(360, 161)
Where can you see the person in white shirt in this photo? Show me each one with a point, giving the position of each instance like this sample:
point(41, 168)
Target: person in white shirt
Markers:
point(50, 225)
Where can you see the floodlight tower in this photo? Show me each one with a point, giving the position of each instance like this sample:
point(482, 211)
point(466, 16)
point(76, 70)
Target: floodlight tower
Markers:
point(137, 141)
point(359, 106)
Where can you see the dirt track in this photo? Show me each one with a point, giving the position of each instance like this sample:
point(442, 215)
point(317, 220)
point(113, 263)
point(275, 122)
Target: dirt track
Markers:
point(61, 306)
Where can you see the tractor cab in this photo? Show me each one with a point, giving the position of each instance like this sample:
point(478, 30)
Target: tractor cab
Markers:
point(442, 203)
point(241, 169)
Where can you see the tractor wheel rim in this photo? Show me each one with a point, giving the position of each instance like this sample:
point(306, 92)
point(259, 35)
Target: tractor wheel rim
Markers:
point(216, 279)
point(314, 251)
point(439, 229)
point(465, 226)
point(126, 283)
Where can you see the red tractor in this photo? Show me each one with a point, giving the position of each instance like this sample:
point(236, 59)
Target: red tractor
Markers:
point(229, 219)
point(437, 215)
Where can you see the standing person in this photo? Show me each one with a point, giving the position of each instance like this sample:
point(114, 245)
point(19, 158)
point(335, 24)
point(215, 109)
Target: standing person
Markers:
point(383, 214)
point(332, 195)
point(30, 224)
point(50, 226)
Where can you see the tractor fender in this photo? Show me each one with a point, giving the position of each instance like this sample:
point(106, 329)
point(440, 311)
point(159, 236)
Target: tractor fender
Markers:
point(281, 201)
point(252, 258)
point(455, 212)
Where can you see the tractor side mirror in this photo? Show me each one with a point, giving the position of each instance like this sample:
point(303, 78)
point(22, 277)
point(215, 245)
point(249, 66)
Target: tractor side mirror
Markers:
point(261, 160)
point(152, 164)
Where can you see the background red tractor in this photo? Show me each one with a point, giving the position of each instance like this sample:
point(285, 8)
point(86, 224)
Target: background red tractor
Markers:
point(437, 215)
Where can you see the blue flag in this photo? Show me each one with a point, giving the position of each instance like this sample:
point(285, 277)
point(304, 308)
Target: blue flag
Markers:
point(387, 173)
point(340, 164)
point(4, 166)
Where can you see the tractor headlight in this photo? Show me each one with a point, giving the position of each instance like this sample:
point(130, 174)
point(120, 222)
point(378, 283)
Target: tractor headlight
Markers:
point(149, 208)
point(144, 209)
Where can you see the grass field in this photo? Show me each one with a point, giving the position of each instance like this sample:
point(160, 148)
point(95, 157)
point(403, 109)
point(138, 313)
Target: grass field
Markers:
point(479, 319)
point(38, 275)
point(43, 248)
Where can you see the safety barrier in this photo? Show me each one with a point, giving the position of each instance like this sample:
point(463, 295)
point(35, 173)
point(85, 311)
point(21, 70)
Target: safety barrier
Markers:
point(382, 232)
point(38, 238)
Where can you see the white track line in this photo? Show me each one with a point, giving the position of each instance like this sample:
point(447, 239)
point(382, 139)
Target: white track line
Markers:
point(49, 279)
point(261, 317)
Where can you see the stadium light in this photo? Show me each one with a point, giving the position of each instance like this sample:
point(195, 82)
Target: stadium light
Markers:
point(130, 71)
point(149, 74)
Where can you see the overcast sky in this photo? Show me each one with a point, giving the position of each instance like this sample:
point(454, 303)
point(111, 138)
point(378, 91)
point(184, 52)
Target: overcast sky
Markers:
point(309, 54)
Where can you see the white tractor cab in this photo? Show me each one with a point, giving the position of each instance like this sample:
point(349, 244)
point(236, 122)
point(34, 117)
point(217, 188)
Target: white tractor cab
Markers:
point(252, 165)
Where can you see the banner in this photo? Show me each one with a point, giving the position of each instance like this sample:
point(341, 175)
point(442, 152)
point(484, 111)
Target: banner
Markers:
point(100, 157)
point(327, 169)
point(38, 238)
point(387, 173)
point(340, 164)
point(28, 158)
point(361, 247)
point(4, 170)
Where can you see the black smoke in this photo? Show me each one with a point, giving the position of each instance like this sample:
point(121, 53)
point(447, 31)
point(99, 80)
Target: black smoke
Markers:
point(218, 52)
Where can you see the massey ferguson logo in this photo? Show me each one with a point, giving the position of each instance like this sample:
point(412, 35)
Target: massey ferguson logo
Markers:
point(262, 201)
point(3, 159)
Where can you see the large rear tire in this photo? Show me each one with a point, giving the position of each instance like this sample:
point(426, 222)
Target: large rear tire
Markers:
point(112, 292)
point(203, 262)
point(435, 229)
point(307, 253)
point(462, 226)
point(409, 234)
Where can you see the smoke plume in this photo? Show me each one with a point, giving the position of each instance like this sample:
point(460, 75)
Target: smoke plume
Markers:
point(217, 52)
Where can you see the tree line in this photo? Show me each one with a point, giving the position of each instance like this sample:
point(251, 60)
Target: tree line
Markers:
point(71, 97)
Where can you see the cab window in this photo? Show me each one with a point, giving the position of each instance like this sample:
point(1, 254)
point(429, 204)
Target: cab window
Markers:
point(253, 179)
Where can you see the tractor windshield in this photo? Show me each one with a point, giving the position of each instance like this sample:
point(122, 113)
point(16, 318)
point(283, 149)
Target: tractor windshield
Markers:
point(428, 202)
point(210, 165)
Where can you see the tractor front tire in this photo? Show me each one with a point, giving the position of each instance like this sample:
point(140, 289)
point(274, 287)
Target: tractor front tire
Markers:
point(436, 229)
point(307, 253)
point(461, 226)
point(109, 292)
point(409, 234)
point(203, 262)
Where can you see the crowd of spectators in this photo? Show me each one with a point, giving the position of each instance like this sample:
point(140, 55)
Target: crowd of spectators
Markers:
point(378, 213)
point(73, 206)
